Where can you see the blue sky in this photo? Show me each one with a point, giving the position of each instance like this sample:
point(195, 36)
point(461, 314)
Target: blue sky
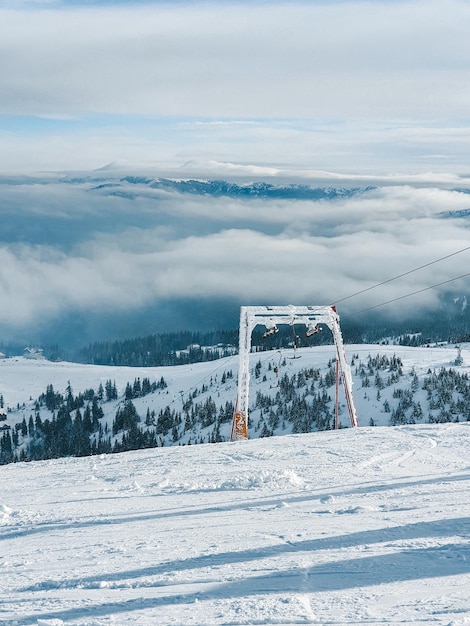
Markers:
point(342, 86)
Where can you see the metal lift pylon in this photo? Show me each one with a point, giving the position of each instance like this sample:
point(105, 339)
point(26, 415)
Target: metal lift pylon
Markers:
point(271, 317)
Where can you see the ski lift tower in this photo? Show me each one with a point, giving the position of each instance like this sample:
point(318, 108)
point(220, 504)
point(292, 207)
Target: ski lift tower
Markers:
point(271, 317)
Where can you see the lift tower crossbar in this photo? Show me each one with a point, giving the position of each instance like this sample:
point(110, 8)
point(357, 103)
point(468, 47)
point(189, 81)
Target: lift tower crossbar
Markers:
point(271, 317)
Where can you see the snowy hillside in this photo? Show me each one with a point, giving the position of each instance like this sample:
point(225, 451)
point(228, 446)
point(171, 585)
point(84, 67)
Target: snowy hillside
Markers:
point(358, 526)
point(63, 409)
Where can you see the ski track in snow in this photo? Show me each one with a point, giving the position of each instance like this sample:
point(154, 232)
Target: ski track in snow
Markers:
point(367, 526)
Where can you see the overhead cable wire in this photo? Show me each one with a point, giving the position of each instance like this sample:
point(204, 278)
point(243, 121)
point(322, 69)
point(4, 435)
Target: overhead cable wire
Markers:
point(413, 293)
point(224, 363)
point(389, 280)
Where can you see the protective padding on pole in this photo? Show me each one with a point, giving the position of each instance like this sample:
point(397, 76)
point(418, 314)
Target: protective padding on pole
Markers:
point(240, 427)
point(271, 317)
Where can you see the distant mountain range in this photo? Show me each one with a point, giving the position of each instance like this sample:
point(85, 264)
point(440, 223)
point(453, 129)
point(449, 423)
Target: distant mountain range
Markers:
point(127, 187)
point(253, 190)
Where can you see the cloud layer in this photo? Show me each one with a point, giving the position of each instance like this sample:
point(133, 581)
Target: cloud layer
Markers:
point(350, 86)
point(160, 246)
point(283, 60)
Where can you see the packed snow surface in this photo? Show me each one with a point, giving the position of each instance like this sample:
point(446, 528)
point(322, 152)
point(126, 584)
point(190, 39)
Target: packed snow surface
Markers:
point(358, 526)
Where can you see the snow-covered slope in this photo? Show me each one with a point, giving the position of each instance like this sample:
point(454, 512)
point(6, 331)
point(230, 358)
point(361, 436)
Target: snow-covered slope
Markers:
point(392, 385)
point(359, 526)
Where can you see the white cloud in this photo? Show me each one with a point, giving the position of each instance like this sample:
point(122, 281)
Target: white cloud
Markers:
point(280, 251)
point(217, 60)
point(257, 150)
point(357, 86)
